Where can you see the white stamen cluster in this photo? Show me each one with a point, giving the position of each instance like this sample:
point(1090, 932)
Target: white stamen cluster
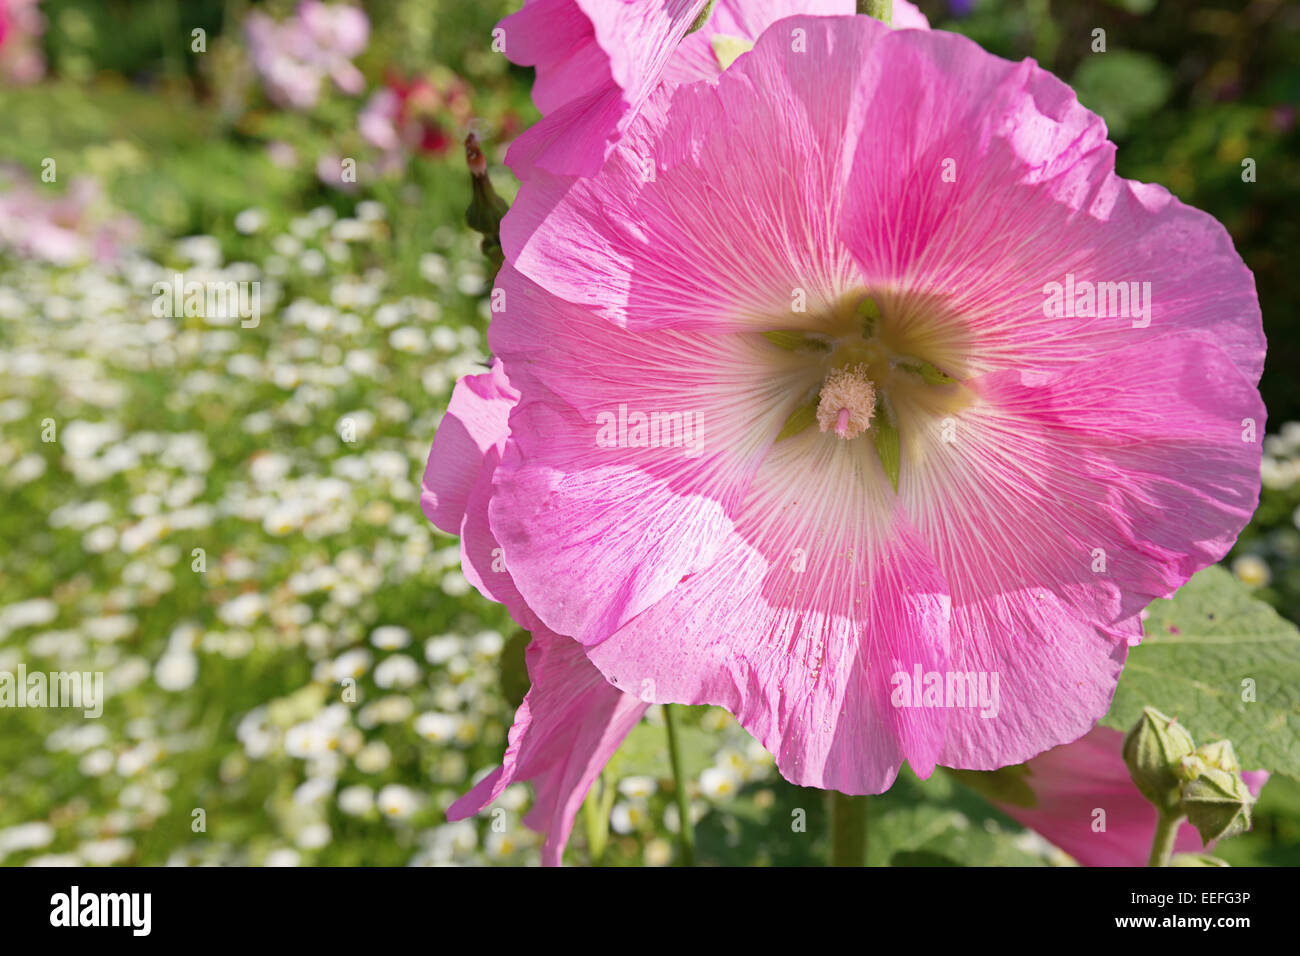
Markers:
point(848, 402)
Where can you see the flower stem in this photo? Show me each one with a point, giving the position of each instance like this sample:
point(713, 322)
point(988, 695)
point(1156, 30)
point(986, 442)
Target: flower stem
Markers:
point(685, 828)
point(882, 10)
point(596, 809)
point(1162, 847)
point(848, 829)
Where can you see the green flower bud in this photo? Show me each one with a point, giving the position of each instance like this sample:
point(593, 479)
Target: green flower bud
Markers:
point(1191, 767)
point(1154, 750)
point(486, 208)
point(1217, 803)
point(1221, 755)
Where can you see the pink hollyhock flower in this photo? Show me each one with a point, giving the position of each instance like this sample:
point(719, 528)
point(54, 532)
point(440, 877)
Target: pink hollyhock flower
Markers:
point(858, 233)
point(1070, 783)
point(598, 61)
point(21, 26)
point(295, 56)
point(61, 229)
point(572, 720)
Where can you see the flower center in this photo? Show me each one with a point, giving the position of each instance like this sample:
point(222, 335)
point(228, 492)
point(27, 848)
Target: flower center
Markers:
point(847, 402)
point(874, 376)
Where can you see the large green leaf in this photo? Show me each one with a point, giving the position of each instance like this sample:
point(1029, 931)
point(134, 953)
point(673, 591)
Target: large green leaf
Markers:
point(1206, 652)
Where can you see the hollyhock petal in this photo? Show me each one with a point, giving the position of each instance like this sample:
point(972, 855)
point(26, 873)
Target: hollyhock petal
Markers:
point(475, 423)
point(634, 38)
point(799, 629)
point(483, 558)
point(557, 39)
point(1133, 474)
point(695, 59)
point(684, 247)
point(597, 62)
point(569, 725)
point(977, 126)
point(457, 484)
point(625, 523)
point(1072, 782)
point(576, 499)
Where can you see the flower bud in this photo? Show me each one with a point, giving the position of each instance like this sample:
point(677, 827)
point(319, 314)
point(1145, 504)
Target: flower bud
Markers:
point(1154, 750)
point(1221, 755)
point(1217, 803)
point(486, 208)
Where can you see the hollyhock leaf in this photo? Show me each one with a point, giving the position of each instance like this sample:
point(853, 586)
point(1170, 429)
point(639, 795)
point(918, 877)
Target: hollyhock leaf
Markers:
point(1226, 664)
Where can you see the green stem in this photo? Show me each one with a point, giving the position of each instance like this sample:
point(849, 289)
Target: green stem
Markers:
point(596, 810)
point(1162, 847)
point(882, 10)
point(848, 829)
point(685, 828)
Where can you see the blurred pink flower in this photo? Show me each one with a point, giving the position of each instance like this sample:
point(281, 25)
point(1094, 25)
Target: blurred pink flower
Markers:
point(293, 58)
point(331, 171)
point(598, 61)
point(21, 26)
point(412, 116)
point(1072, 782)
point(282, 154)
point(61, 229)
